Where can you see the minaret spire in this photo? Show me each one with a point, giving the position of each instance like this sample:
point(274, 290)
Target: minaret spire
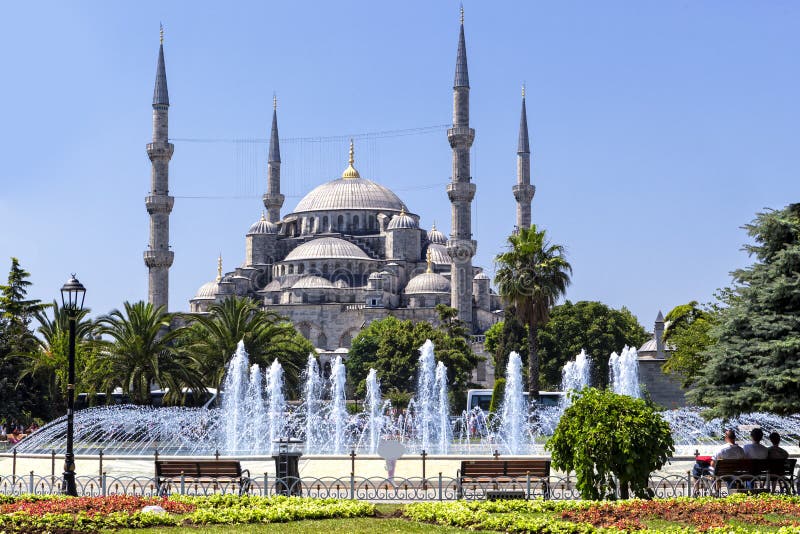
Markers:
point(523, 190)
point(158, 257)
point(461, 247)
point(273, 199)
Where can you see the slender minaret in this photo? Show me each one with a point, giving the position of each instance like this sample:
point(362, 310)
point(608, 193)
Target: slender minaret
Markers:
point(461, 247)
point(658, 333)
point(523, 191)
point(273, 199)
point(158, 257)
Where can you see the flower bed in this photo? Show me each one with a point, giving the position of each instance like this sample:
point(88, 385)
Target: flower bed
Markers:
point(735, 513)
point(34, 513)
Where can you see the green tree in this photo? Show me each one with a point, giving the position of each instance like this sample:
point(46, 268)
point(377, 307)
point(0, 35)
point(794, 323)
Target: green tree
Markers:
point(504, 337)
point(19, 397)
point(755, 363)
point(498, 393)
point(532, 275)
point(603, 436)
point(689, 333)
point(589, 325)
point(212, 340)
point(391, 347)
point(47, 362)
point(141, 352)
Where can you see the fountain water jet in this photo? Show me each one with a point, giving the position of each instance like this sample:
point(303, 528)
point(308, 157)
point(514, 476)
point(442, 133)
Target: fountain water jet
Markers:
point(374, 411)
point(314, 437)
point(514, 412)
point(234, 409)
point(276, 405)
point(624, 372)
point(338, 416)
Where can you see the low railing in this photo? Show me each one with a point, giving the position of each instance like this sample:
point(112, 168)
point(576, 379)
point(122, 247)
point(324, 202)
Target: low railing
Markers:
point(439, 487)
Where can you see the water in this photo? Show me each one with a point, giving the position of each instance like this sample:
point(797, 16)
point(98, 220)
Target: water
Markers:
point(255, 413)
point(514, 412)
point(624, 373)
point(575, 376)
point(375, 411)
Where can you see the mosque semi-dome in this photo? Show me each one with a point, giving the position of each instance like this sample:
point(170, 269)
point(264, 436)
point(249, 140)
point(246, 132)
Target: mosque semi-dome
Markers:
point(436, 237)
point(207, 291)
point(326, 248)
point(263, 226)
point(402, 221)
point(439, 254)
point(427, 283)
point(312, 282)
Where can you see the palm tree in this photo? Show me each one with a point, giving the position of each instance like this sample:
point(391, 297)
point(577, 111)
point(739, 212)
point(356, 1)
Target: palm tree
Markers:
point(532, 276)
point(47, 362)
point(141, 351)
point(212, 339)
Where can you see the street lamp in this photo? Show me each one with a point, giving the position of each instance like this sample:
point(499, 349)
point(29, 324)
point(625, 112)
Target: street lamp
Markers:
point(72, 294)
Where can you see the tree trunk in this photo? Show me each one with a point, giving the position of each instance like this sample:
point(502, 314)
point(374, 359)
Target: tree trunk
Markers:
point(533, 362)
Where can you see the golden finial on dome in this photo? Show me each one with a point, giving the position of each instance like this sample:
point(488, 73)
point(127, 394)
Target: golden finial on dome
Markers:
point(161, 32)
point(263, 217)
point(219, 267)
point(433, 226)
point(402, 211)
point(429, 257)
point(350, 172)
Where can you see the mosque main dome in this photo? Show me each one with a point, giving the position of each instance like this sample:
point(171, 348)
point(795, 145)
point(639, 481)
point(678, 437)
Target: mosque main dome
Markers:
point(350, 194)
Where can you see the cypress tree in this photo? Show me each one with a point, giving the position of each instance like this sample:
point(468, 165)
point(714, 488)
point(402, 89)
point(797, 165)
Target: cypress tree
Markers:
point(755, 364)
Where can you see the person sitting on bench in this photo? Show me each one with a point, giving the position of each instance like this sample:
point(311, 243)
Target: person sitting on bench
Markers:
point(729, 451)
point(776, 452)
point(756, 450)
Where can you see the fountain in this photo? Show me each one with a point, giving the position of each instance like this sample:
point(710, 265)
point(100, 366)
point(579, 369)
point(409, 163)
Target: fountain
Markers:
point(254, 413)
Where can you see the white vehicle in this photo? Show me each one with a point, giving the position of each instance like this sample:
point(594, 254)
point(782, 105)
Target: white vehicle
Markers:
point(482, 398)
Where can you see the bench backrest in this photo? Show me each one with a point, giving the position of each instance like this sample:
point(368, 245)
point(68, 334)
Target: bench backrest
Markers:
point(748, 466)
point(198, 468)
point(505, 468)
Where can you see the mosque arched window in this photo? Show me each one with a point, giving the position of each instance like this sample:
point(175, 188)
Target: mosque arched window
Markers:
point(305, 330)
point(340, 223)
point(355, 222)
point(325, 223)
point(345, 340)
point(291, 269)
point(322, 341)
point(300, 268)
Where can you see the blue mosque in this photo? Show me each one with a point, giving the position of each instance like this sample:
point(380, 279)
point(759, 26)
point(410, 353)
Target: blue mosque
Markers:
point(351, 251)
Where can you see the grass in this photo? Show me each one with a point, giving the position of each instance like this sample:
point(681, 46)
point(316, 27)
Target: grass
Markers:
point(363, 525)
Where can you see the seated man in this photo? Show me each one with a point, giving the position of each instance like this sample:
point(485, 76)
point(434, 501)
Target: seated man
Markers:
point(756, 450)
point(776, 452)
point(729, 451)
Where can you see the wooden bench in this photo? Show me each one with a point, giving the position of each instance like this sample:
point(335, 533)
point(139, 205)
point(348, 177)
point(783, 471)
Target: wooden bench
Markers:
point(201, 471)
point(751, 475)
point(505, 479)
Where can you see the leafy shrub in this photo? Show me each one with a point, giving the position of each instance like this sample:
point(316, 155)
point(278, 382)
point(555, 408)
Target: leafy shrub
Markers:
point(604, 435)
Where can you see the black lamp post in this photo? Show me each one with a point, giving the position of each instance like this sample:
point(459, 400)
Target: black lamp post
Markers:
point(72, 295)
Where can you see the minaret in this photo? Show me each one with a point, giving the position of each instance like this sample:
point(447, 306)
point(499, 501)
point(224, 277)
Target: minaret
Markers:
point(523, 191)
point(461, 247)
point(273, 199)
point(158, 257)
point(658, 333)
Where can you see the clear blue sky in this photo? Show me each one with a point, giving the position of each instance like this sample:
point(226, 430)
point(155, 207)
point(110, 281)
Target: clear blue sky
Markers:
point(657, 130)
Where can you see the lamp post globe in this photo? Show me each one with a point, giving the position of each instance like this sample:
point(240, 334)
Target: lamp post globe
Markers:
point(72, 295)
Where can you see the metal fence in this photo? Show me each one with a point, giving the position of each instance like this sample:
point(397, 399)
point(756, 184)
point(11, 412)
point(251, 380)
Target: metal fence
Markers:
point(434, 488)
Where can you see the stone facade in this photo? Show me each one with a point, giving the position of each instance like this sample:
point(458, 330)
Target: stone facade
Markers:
point(663, 389)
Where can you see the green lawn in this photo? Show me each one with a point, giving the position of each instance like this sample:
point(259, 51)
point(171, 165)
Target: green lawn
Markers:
point(362, 525)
